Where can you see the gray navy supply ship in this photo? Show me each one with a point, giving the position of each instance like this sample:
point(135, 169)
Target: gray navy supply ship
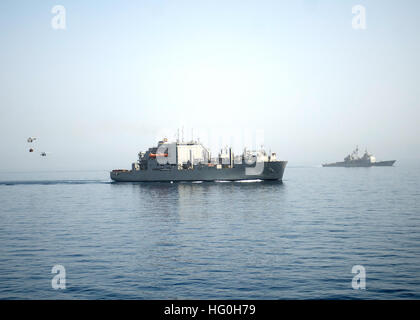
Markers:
point(191, 161)
point(367, 160)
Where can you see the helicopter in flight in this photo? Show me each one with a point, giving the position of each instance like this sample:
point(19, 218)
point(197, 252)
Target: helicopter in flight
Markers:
point(32, 139)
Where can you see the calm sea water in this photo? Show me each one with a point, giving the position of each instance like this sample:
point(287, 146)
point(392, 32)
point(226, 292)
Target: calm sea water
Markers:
point(247, 240)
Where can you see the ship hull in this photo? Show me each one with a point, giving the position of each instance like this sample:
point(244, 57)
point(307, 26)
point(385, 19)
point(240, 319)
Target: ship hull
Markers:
point(356, 164)
point(389, 163)
point(270, 171)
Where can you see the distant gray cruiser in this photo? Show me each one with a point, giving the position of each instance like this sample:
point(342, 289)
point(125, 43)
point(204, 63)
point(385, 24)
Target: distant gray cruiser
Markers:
point(191, 161)
point(367, 160)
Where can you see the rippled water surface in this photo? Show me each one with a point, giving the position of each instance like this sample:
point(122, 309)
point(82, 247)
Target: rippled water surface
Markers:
point(223, 240)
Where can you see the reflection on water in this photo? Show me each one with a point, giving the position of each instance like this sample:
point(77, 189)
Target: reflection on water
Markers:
point(189, 198)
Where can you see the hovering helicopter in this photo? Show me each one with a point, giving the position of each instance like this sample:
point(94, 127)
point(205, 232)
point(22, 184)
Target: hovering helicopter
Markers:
point(32, 139)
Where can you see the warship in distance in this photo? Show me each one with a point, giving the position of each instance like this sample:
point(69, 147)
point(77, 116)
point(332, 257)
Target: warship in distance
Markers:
point(191, 161)
point(367, 160)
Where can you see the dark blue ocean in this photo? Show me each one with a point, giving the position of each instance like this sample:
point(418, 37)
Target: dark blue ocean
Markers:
point(224, 240)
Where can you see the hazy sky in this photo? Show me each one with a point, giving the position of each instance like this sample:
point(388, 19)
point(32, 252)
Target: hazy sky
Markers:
point(123, 73)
